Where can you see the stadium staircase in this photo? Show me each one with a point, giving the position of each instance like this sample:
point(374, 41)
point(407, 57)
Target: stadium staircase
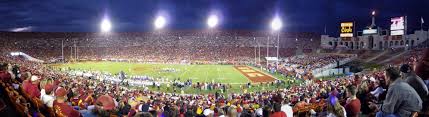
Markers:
point(376, 56)
point(393, 58)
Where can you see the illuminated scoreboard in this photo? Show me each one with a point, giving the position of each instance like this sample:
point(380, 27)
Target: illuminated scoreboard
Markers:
point(346, 29)
point(397, 26)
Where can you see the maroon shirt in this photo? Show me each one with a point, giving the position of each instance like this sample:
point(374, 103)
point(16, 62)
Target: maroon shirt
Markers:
point(278, 114)
point(65, 110)
point(353, 108)
point(25, 85)
point(5, 76)
point(33, 90)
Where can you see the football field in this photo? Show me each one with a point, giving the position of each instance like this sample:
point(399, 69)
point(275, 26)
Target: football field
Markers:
point(198, 73)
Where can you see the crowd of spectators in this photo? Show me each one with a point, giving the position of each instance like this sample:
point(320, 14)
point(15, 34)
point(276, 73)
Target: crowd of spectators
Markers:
point(302, 66)
point(168, 46)
point(375, 93)
point(36, 90)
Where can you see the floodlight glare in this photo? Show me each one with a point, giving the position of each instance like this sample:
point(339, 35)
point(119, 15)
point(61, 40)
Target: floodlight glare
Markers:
point(212, 21)
point(373, 13)
point(276, 24)
point(160, 22)
point(105, 25)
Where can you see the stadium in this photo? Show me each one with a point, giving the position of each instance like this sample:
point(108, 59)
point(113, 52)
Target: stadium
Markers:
point(370, 65)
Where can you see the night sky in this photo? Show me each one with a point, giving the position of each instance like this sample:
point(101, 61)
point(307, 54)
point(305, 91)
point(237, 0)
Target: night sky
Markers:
point(138, 15)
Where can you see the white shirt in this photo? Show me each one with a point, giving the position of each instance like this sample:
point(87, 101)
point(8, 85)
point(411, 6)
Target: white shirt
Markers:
point(379, 90)
point(287, 109)
point(259, 112)
point(207, 112)
point(47, 99)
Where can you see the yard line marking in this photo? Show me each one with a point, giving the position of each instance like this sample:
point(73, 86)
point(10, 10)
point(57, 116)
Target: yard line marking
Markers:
point(218, 73)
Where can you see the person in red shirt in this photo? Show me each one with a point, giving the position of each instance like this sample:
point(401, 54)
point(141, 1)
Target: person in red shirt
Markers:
point(5, 73)
point(26, 82)
point(277, 111)
point(86, 100)
point(353, 104)
point(33, 88)
point(61, 107)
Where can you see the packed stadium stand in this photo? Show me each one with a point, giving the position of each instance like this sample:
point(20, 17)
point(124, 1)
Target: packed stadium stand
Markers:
point(38, 90)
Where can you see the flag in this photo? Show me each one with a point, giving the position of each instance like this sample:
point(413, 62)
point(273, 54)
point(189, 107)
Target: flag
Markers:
point(421, 23)
point(325, 29)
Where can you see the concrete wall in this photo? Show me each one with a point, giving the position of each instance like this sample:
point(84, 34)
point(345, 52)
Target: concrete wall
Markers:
point(380, 42)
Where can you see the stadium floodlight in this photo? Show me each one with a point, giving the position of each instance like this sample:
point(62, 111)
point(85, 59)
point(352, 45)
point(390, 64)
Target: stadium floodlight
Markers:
point(160, 22)
point(105, 25)
point(276, 24)
point(212, 21)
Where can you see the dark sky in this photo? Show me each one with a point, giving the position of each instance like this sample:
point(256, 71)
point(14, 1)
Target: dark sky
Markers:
point(138, 15)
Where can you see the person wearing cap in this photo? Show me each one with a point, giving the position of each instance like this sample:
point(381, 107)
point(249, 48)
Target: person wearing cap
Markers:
point(46, 95)
point(401, 99)
point(414, 81)
point(60, 105)
point(105, 105)
point(33, 90)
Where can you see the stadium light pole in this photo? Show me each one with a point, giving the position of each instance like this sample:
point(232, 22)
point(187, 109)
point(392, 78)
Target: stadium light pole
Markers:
point(62, 50)
point(105, 27)
point(268, 51)
point(373, 19)
point(212, 22)
point(159, 23)
point(75, 50)
point(276, 25)
point(254, 39)
point(71, 53)
point(259, 57)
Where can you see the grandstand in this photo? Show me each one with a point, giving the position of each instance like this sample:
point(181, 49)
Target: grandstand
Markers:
point(83, 50)
point(223, 70)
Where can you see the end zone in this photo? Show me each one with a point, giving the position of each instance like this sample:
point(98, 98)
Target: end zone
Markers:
point(254, 75)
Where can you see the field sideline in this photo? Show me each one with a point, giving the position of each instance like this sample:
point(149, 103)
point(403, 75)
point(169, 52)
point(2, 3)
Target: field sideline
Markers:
point(198, 73)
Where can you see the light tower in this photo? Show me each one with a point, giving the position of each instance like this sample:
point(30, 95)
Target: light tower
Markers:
point(212, 22)
point(159, 23)
point(276, 25)
point(373, 19)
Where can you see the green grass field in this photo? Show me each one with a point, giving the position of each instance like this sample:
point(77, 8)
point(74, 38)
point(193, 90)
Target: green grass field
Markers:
point(198, 73)
point(216, 73)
